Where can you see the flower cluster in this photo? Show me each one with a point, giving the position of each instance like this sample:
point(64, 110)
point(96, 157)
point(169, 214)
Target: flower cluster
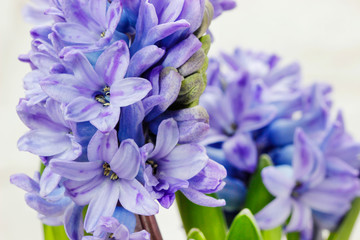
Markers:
point(258, 106)
point(112, 107)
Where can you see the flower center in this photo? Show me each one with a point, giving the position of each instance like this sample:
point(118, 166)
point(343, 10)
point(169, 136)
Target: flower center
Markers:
point(103, 34)
point(154, 166)
point(103, 97)
point(111, 236)
point(230, 130)
point(109, 172)
point(297, 191)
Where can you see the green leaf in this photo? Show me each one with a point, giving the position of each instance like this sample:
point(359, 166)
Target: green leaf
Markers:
point(244, 227)
point(293, 236)
point(272, 234)
point(42, 168)
point(195, 234)
point(54, 233)
point(346, 227)
point(210, 221)
point(258, 197)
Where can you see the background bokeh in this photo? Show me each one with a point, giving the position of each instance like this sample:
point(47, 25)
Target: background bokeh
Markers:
point(322, 35)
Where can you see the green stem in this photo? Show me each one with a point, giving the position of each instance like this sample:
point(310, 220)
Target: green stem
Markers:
point(54, 233)
point(346, 227)
point(210, 221)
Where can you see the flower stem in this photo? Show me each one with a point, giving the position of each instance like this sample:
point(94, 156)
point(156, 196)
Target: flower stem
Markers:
point(149, 224)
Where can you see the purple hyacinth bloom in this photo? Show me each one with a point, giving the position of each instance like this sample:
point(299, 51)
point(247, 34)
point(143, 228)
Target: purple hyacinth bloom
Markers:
point(50, 134)
point(96, 95)
point(232, 117)
point(170, 167)
point(51, 208)
point(41, 11)
point(304, 188)
point(340, 149)
point(88, 25)
point(311, 114)
point(193, 123)
point(109, 228)
point(107, 178)
point(44, 61)
point(55, 209)
point(156, 21)
point(166, 84)
point(222, 5)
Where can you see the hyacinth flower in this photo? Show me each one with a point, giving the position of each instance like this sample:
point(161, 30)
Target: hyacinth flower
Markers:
point(256, 89)
point(110, 228)
point(96, 95)
point(232, 121)
point(340, 150)
point(50, 134)
point(152, 26)
point(170, 167)
point(88, 26)
point(222, 5)
point(107, 178)
point(304, 187)
point(38, 11)
point(52, 208)
point(311, 114)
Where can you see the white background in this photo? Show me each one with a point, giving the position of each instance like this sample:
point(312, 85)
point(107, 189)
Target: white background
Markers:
point(323, 35)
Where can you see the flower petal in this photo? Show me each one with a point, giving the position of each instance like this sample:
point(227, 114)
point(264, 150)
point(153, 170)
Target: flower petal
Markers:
point(257, 118)
point(301, 215)
point(135, 198)
point(170, 84)
point(107, 119)
point(131, 123)
point(73, 222)
point(184, 161)
point(126, 161)
point(98, 11)
point(102, 205)
point(180, 53)
point(209, 179)
point(102, 146)
point(274, 214)
point(83, 70)
point(202, 199)
point(43, 142)
point(128, 91)
point(74, 33)
point(240, 150)
point(81, 192)
point(308, 162)
point(78, 171)
point(25, 182)
point(164, 30)
point(168, 10)
point(48, 181)
point(144, 59)
point(82, 109)
point(166, 139)
point(61, 87)
point(113, 15)
point(113, 62)
point(333, 195)
point(279, 180)
point(46, 207)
